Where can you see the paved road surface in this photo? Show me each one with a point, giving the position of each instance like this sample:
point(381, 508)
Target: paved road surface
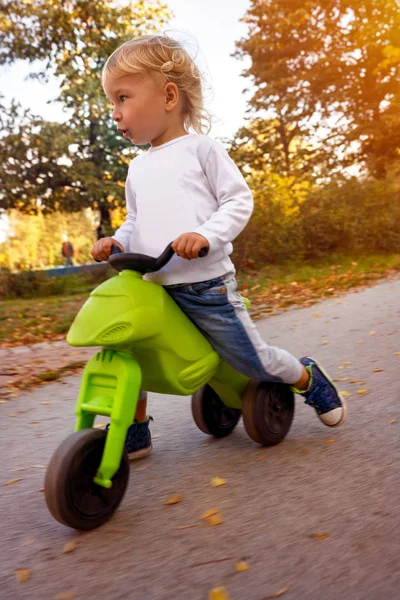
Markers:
point(277, 504)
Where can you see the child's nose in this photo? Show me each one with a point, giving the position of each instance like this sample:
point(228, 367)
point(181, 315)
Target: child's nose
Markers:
point(116, 115)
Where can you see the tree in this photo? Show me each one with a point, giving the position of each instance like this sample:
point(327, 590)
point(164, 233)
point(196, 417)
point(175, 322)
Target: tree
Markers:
point(82, 162)
point(329, 66)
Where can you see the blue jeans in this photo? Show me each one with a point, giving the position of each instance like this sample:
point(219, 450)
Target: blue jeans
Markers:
point(219, 312)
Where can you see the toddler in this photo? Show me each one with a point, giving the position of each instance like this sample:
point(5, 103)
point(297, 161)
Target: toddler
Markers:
point(186, 189)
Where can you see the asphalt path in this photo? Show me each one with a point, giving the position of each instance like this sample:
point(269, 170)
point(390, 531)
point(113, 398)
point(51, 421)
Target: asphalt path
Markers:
point(315, 518)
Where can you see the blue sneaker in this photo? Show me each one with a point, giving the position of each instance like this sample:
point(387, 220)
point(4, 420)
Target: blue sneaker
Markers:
point(322, 394)
point(138, 440)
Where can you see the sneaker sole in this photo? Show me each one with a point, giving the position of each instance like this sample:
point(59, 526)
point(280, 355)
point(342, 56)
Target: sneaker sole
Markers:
point(140, 453)
point(344, 405)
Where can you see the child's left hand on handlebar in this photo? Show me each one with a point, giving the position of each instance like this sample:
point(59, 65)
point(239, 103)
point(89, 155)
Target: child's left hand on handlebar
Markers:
point(188, 245)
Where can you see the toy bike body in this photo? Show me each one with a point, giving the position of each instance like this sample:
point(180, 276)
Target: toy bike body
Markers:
point(147, 343)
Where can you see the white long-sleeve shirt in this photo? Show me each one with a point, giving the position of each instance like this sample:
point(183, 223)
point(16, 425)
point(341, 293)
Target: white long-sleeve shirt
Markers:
point(189, 184)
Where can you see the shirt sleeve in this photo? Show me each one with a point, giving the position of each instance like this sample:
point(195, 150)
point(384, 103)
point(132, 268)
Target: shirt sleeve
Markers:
point(123, 233)
point(233, 195)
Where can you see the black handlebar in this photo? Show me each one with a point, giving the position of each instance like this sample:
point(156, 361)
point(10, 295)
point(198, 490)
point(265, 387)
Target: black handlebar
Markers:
point(142, 262)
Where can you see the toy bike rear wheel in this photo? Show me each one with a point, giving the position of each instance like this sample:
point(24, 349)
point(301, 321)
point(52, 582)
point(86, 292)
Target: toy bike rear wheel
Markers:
point(211, 415)
point(71, 495)
point(268, 410)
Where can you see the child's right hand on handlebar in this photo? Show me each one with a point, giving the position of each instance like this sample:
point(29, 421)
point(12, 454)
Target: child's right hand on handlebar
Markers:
point(102, 249)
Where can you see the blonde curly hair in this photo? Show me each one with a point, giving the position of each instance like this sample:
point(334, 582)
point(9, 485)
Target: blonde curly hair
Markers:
point(165, 58)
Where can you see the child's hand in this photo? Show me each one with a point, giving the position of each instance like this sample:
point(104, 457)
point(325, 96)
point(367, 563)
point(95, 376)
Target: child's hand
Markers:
point(102, 249)
point(188, 245)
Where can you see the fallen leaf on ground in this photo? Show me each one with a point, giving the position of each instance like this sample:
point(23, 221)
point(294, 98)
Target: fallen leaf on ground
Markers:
point(378, 370)
point(345, 394)
point(341, 379)
point(305, 449)
point(347, 363)
point(12, 481)
point(396, 353)
point(372, 333)
point(215, 520)
point(339, 302)
point(70, 546)
point(45, 403)
point(324, 342)
point(319, 536)
point(99, 426)
point(22, 575)
point(174, 499)
point(316, 316)
point(33, 422)
point(393, 421)
point(277, 594)
point(261, 458)
point(219, 593)
point(209, 513)
point(354, 381)
point(330, 441)
point(361, 342)
point(217, 481)
point(187, 526)
point(241, 566)
point(361, 392)
point(64, 596)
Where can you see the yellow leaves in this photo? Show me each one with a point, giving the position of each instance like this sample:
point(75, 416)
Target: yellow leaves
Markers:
point(11, 481)
point(215, 519)
point(396, 353)
point(217, 481)
point(317, 316)
point(372, 333)
point(278, 594)
point(392, 421)
point(174, 499)
point(218, 593)
point(64, 596)
point(347, 363)
point(209, 513)
point(330, 441)
point(319, 536)
point(70, 546)
point(324, 342)
point(345, 394)
point(378, 370)
point(361, 392)
point(261, 458)
point(241, 566)
point(22, 575)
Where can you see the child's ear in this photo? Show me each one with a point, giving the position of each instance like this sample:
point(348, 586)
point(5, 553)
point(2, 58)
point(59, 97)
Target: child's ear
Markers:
point(171, 93)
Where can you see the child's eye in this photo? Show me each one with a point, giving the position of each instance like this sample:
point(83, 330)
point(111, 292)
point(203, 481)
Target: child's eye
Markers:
point(123, 98)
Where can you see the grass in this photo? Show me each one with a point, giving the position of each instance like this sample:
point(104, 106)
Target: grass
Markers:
point(272, 287)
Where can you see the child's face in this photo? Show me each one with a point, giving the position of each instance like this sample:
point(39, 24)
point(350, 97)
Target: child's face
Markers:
point(139, 107)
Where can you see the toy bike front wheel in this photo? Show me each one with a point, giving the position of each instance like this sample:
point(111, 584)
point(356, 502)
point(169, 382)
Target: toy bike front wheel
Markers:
point(71, 495)
point(268, 410)
point(211, 415)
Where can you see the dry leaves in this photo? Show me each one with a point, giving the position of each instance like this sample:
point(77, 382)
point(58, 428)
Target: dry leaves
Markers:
point(70, 546)
point(209, 513)
point(378, 370)
point(361, 392)
point(319, 536)
point(330, 441)
point(13, 481)
point(241, 566)
point(393, 421)
point(345, 394)
point(22, 575)
point(64, 596)
point(277, 594)
point(174, 499)
point(217, 481)
point(215, 520)
point(219, 593)
point(372, 333)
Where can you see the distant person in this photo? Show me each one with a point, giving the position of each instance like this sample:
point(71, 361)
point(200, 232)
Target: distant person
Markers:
point(67, 250)
point(187, 189)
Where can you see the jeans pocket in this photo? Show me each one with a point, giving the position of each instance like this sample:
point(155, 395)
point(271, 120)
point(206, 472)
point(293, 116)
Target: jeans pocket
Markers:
point(208, 287)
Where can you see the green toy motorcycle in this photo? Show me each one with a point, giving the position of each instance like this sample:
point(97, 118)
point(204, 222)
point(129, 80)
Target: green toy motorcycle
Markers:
point(147, 343)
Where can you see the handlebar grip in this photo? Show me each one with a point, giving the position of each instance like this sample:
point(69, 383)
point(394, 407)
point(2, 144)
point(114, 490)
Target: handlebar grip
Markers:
point(115, 249)
point(203, 252)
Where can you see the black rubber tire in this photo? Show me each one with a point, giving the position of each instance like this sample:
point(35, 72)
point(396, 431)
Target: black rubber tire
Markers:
point(268, 410)
point(211, 415)
point(71, 495)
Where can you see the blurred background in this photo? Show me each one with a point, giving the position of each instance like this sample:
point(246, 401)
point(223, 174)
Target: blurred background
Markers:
point(305, 96)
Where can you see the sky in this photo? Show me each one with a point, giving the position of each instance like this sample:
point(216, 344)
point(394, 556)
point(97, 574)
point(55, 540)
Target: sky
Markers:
point(214, 25)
